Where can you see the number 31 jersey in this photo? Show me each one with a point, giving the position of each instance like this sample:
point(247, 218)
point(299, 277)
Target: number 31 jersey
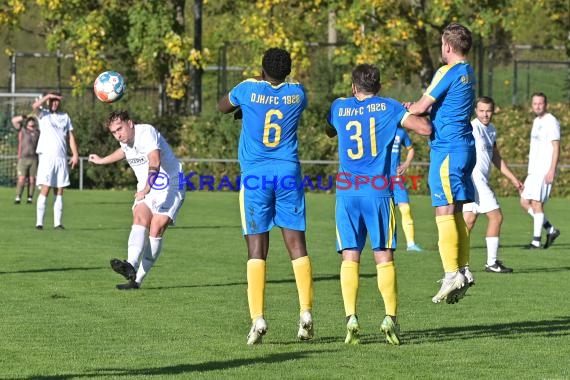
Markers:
point(366, 130)
point(271, 117)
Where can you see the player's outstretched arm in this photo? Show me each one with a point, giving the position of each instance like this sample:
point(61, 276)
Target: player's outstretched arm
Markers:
point(505, 170)
point(38, 103)
point(17, 121)
point(418, 124)
point(401, 169)
point(330, 131)
point(153, 173)
point(225, 106)
point(113, 157)
point(421, 107)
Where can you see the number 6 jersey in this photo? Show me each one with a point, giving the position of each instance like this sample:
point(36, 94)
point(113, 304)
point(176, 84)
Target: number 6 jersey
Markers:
point(271, 117)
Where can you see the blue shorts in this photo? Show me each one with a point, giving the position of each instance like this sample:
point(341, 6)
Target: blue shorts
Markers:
point(400, 195)
point(272, 195)
point(357, 216)
point(450, 177)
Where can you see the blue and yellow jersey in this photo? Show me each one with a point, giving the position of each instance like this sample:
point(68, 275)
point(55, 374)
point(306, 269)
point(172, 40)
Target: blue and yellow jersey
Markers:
point(366, 130)
point(271, 117)
point(400, 140)
point(453, 90)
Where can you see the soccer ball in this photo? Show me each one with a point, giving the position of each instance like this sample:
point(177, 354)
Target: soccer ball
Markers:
point(109, 86)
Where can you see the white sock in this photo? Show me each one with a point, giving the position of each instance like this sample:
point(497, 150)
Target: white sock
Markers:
point(40, 210)
point(530, 211)
point(450, 275)
point(136, 244)
point(57, 210)
point(492, 248)
point(538, 222)
point(151, 252)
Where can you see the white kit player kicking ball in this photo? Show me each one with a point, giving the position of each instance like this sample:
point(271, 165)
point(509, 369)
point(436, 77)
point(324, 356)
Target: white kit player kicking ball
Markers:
point(157, 200)
point(485, 136)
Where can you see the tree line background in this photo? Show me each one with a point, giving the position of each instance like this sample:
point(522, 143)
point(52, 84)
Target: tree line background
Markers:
point(163, 47)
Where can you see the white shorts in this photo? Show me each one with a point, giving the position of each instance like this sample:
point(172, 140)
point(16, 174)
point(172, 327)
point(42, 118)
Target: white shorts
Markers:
point(52, 171)
point(164, 202)
point(485, 200)
point(535, 189)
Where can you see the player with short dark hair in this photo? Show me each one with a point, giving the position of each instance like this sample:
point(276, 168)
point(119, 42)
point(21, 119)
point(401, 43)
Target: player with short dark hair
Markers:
point(366, 125)
point(271, 110)
point(158, 198)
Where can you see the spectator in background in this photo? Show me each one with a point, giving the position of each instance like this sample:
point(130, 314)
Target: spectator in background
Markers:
point(27, 167)
point(542, 162)
point(55, 132)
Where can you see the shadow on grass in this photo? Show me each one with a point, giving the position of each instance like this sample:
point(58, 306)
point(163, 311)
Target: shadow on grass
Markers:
point(46, 270)
point(187, 369)
point(542, 270)
point(203, 227)
point(546, 328)
point(330, 277)
point(128, 228)
point(523, 247)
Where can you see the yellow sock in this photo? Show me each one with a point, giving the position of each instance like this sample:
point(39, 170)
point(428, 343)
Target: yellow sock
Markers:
point(349, 271)
point(255, 287)
point(448, 242)
point(388, 286)
point(407, 223)
point(304, 279)
point(464, 240)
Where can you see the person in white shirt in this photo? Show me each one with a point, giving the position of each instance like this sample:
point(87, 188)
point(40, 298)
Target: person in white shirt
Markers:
point(55, 131)
point(158, 198)
point(485, 135)
point(542, 161)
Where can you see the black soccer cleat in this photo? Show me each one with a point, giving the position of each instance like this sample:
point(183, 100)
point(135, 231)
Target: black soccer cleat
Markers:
point(124, 268)
point(131, 285)
point(551, 237)
point(39, 227)
point(59, 227)
point(498, 267)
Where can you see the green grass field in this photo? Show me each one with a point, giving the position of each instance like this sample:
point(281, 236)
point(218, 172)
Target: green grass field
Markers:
point(62, 318)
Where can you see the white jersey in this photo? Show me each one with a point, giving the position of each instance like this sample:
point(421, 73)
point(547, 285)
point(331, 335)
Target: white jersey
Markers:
point(54, 127)
point(147, 139)
point(485, 138)
point(545, 129)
